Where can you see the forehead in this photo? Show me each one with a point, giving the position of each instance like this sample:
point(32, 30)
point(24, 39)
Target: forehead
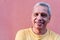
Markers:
point(40, 9)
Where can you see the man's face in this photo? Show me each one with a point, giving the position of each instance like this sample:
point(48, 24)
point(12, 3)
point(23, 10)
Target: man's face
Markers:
point(40, 17)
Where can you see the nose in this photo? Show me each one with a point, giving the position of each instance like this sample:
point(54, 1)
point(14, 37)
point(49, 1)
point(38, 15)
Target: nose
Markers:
point(39, 17)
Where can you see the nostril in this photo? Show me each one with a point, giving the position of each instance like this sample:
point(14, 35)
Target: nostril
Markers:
point(40, 20)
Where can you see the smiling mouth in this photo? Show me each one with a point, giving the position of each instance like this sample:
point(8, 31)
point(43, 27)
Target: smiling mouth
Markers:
point(39, 23)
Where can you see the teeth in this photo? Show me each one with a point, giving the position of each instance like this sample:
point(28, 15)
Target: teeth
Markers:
point(40, 22)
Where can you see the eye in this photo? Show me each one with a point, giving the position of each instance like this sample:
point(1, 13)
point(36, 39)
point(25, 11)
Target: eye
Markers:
point(43, 14)
point(36, 14)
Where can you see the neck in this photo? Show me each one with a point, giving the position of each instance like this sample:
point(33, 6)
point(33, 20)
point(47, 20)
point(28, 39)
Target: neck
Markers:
point(39, 31)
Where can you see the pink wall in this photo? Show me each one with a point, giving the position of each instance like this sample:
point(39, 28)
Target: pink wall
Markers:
point(16, 14)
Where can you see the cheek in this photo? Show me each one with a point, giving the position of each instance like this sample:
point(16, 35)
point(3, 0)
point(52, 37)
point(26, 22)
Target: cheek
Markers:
point(33, 19)
point(46, 19)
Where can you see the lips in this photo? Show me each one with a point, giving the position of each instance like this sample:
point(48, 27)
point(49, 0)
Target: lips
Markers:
point(40, 22)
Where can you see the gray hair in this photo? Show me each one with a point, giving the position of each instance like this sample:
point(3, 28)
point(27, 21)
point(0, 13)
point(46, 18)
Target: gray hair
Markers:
point(44, 4)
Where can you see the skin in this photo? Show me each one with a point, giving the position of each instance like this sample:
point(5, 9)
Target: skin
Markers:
point(40, 18)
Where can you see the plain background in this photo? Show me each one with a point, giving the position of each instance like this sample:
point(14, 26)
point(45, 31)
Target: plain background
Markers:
point(16, 15)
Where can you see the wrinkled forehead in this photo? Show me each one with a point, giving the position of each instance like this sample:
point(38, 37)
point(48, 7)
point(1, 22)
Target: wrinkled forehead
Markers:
point(40, 9)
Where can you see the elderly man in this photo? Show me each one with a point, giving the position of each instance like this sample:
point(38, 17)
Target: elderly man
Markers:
point(40, 18)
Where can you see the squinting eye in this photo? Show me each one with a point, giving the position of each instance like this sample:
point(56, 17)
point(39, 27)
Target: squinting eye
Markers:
point(43, 14)
point(36, 14)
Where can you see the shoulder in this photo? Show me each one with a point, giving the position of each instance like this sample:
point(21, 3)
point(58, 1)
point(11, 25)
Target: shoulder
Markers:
point(22, 31)
point(21, 34)
point(55, 35)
